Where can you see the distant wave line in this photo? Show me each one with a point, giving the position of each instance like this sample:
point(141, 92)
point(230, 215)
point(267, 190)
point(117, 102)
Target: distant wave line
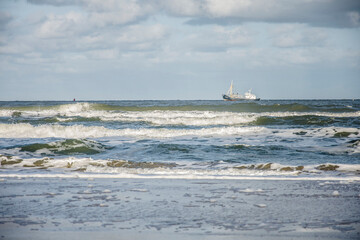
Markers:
point(219, 107)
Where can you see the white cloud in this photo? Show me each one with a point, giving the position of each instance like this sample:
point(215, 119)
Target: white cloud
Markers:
point(55, 2)
point(325, 13)
point(217, 39)
point(141, 33)
point(16, 47)
point(181, 7)
point(286, 57)
point(234, 36)
point(62, 26)
point(108, 12)
point(227, 8)
point(103, 54)
point(117, 12)
point(298, 35)
point(74, 32)
point(328, 13)
point(354, 18)
point(109, 29)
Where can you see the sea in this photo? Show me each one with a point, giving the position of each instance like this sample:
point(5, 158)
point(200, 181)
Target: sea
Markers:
point(200, 139)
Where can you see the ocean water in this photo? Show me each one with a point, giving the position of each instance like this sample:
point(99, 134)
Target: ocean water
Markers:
point(181, 139)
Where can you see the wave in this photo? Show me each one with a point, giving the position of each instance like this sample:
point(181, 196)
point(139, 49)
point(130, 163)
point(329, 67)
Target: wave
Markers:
point(65, 147)
point(26, 130)
point(309, 120)
point(125, 168)
point(206, 118)
point(188, 118)
point(73, 107)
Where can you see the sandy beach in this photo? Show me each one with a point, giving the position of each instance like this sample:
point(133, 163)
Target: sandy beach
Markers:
point(109, 208)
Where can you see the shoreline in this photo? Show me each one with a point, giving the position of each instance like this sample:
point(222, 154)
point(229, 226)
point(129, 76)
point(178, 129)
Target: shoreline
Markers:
point(348, 178)
point(125, 208)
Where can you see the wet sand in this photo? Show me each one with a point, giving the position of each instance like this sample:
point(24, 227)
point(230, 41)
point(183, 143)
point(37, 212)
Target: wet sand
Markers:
point(107, 208)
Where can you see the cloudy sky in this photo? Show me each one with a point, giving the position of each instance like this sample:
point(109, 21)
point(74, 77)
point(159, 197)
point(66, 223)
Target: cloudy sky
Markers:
point(178, 49)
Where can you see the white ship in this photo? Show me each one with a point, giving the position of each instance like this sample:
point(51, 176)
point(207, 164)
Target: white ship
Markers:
point(230, 96)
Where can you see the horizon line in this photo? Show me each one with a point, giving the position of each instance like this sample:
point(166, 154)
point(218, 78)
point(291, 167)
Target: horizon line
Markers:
point(266, 99)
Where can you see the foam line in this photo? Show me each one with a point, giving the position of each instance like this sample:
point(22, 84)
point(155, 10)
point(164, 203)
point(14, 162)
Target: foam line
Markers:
point(185, 177)
point(25, 130)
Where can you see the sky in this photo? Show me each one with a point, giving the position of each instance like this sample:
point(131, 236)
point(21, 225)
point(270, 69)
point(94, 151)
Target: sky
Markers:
point(183, 49)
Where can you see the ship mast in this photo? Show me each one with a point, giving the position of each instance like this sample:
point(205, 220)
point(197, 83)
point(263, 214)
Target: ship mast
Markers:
point(230, 92)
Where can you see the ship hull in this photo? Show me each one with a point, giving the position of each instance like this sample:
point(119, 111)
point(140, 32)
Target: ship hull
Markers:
point(228, 98)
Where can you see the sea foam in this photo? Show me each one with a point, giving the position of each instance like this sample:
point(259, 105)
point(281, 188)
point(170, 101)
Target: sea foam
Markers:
point(25, 130)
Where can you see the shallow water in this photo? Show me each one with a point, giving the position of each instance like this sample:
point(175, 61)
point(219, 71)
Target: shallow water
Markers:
point(85, 208)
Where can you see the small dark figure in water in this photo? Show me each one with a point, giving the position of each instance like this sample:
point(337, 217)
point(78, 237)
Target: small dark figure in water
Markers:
point(74, 100)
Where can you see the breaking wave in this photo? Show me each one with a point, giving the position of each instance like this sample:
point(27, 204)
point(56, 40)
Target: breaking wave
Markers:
point(125, 168)
point(182, 118)
point(26, 130)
